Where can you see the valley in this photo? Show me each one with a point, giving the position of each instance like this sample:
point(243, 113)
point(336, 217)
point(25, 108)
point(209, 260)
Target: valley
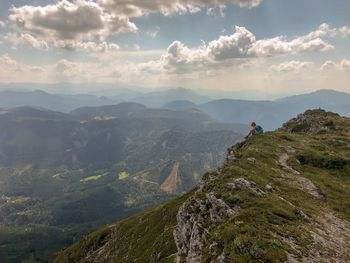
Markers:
point(64, 175)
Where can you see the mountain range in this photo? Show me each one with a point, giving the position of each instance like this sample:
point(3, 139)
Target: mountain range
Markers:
point(270, 114)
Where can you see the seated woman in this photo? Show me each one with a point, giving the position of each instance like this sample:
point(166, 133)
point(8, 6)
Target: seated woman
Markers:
point(255, 129)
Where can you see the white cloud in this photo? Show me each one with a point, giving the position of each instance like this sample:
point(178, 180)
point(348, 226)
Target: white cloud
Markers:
point(236, 45)
point(138, 8)
point(79, 25)
point(234, 49)
point(20, 39)
point(14, 71)
point(211, 11)
point(344, 65)
point(2, 24)
point(217, 11)
point(65, 20)
point(86, 46)
point(328, 65)
point(290, 66)
point(7, 62)
point(153, 33)
point(248, 3)
point(76, 24)
point(344, 31)
point(311, 42)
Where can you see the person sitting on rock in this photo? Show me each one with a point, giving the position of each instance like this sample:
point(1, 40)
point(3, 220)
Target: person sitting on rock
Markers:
point(255, 129)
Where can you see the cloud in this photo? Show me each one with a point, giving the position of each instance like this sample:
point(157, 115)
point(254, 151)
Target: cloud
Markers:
point(290, 66)
point(12, 70)
point(248, 3)
point(80, 25)
point(235, 49)
point(74, 25)
point(90, 46)
point(236, 45)
point(7, 62)
point(344, 65)
point(65, 20)
point(344, 31)
point(311, 42)
point(328, 65)
point(19, 39)
point(138, 8)
point(216, 11)
point(2, 24)
point(154, 32)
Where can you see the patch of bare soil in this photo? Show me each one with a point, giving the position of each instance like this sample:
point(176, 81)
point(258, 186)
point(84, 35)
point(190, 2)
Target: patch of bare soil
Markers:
point(302, 183)
point(170, 185)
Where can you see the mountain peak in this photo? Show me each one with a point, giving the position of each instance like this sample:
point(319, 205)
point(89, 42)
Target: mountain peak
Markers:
point(313, 121)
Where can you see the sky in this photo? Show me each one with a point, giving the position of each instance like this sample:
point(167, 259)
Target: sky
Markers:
point(274, 47)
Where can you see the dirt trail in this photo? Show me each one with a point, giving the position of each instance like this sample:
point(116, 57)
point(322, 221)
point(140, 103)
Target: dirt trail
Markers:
point(302, 183)
point(283, 161)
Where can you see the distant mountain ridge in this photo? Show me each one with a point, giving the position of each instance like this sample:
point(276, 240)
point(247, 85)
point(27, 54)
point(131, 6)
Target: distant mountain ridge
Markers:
point(56, 102)
point(269, 114)
point(69, 102)
point(180, 105)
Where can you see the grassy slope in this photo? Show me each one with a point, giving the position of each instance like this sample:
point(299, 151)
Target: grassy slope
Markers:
point(136, 239)
point(252, 235)
point(266, 225)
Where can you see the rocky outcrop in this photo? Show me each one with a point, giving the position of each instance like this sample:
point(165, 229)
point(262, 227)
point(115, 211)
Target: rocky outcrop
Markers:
point(313, 121)
point(191, 235)
point(204, 210)
point(243, 183)
point(219, 210)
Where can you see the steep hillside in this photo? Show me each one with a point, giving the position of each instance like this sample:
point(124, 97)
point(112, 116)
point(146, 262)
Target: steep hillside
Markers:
point(280, 197)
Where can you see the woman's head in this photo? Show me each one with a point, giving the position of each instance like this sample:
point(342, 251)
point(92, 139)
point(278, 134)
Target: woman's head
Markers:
point(253, 124)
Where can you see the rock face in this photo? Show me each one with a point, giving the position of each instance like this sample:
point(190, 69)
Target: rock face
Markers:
point(189, 236)
point(193, 218)
point(219, 210)
point(199, 213)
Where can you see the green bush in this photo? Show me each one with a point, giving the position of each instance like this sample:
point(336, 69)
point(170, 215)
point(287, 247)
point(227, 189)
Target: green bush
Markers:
point(316, 160)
